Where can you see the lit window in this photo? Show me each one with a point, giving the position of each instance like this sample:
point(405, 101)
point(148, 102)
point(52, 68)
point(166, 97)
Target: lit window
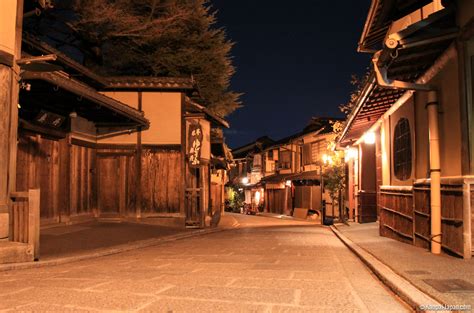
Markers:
point(402, 150)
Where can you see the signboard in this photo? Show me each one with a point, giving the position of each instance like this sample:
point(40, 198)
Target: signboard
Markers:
point(195, 137)
point(49, 119)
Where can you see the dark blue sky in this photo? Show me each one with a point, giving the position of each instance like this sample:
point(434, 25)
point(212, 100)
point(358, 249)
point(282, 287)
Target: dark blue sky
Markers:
point(294, 61)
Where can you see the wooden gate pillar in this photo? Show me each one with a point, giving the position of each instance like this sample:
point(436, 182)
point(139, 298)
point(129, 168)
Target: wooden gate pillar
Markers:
point(11, 17)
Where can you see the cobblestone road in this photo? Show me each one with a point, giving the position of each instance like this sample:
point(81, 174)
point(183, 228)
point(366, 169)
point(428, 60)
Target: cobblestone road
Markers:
point(268, 265)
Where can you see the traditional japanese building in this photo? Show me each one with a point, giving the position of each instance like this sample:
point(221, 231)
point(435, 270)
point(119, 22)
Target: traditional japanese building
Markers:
point(247, 170)
point(284, 175)
point(410, 131)
point(293, 169)
point(81, 146)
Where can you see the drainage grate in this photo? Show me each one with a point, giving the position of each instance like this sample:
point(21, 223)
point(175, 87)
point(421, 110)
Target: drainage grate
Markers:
point(450, 285)
point(418, 272)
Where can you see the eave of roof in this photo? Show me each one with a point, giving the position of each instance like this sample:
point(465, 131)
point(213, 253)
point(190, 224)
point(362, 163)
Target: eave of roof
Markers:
point(112, 82)
point(275, 178)
point(381, 14)
point(219, 121)
point(63, 59)
point(308, 175)
point(62, 80)
point(411, 63)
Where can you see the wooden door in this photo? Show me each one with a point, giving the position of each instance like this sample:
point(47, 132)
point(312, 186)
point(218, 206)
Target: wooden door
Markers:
point(194, 198)
point(276, 200)
point(216, 198)
point(108, 185)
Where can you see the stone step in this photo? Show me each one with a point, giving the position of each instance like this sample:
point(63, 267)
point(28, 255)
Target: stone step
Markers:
point(15, 252)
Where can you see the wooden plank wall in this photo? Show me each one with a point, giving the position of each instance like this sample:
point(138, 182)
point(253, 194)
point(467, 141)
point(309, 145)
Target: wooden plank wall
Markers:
point(82, 180)
point(451, 217)
point(113, 168)
point(161, 181)
point(405, 216)
point(64, 174)
point(422, 218)
point(396, 214)
point(68, 176)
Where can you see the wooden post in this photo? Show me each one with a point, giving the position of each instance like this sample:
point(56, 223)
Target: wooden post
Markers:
point(138, 165)
point(200, 186)
point(5, 103)
point(209, 191)
point(64, 180)
point(224, 174)
point(122, 186)
point(72, 202)
point(11, 19)
point(34, 221)
point(184, 171)
point(467, 220)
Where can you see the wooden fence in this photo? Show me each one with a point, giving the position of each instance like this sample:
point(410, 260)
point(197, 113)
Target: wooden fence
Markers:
point(405, 215)
point(451, 217)
point(25, 219)
point(396, 213)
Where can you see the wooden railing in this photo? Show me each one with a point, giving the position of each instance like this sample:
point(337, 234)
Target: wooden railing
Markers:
point(25, 219)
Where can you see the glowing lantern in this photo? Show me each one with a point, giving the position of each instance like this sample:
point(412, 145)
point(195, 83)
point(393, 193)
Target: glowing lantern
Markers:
point(369, 138)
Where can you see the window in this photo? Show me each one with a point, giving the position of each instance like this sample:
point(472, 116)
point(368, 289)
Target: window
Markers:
point(257, 160)
point(402, 150)
point(317, 149)
point(270, 155)
point(285, 160)
point(307, 154)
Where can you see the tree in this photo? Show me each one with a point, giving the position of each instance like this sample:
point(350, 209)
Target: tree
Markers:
point(334, 170)
point(176, 38)
point(359, 84)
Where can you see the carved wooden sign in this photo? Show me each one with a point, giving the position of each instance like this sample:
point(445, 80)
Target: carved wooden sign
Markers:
point(195, 137)
point(49, 119)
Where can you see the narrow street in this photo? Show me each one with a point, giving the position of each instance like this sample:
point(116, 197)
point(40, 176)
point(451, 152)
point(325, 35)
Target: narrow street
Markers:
point(267, 265)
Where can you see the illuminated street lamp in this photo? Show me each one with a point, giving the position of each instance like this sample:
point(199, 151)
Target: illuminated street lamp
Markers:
point(245, 180)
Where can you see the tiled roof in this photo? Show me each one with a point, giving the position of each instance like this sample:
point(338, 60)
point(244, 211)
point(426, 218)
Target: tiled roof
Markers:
point(132, 82)
point(103, 82)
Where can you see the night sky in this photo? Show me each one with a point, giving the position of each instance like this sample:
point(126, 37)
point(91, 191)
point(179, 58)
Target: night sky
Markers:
point(293, 60)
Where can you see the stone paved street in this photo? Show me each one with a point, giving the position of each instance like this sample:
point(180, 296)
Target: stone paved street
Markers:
point(268, 265)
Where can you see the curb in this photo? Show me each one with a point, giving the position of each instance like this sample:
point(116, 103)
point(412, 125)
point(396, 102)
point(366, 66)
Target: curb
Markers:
point(404, 289)
point(110, 251)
